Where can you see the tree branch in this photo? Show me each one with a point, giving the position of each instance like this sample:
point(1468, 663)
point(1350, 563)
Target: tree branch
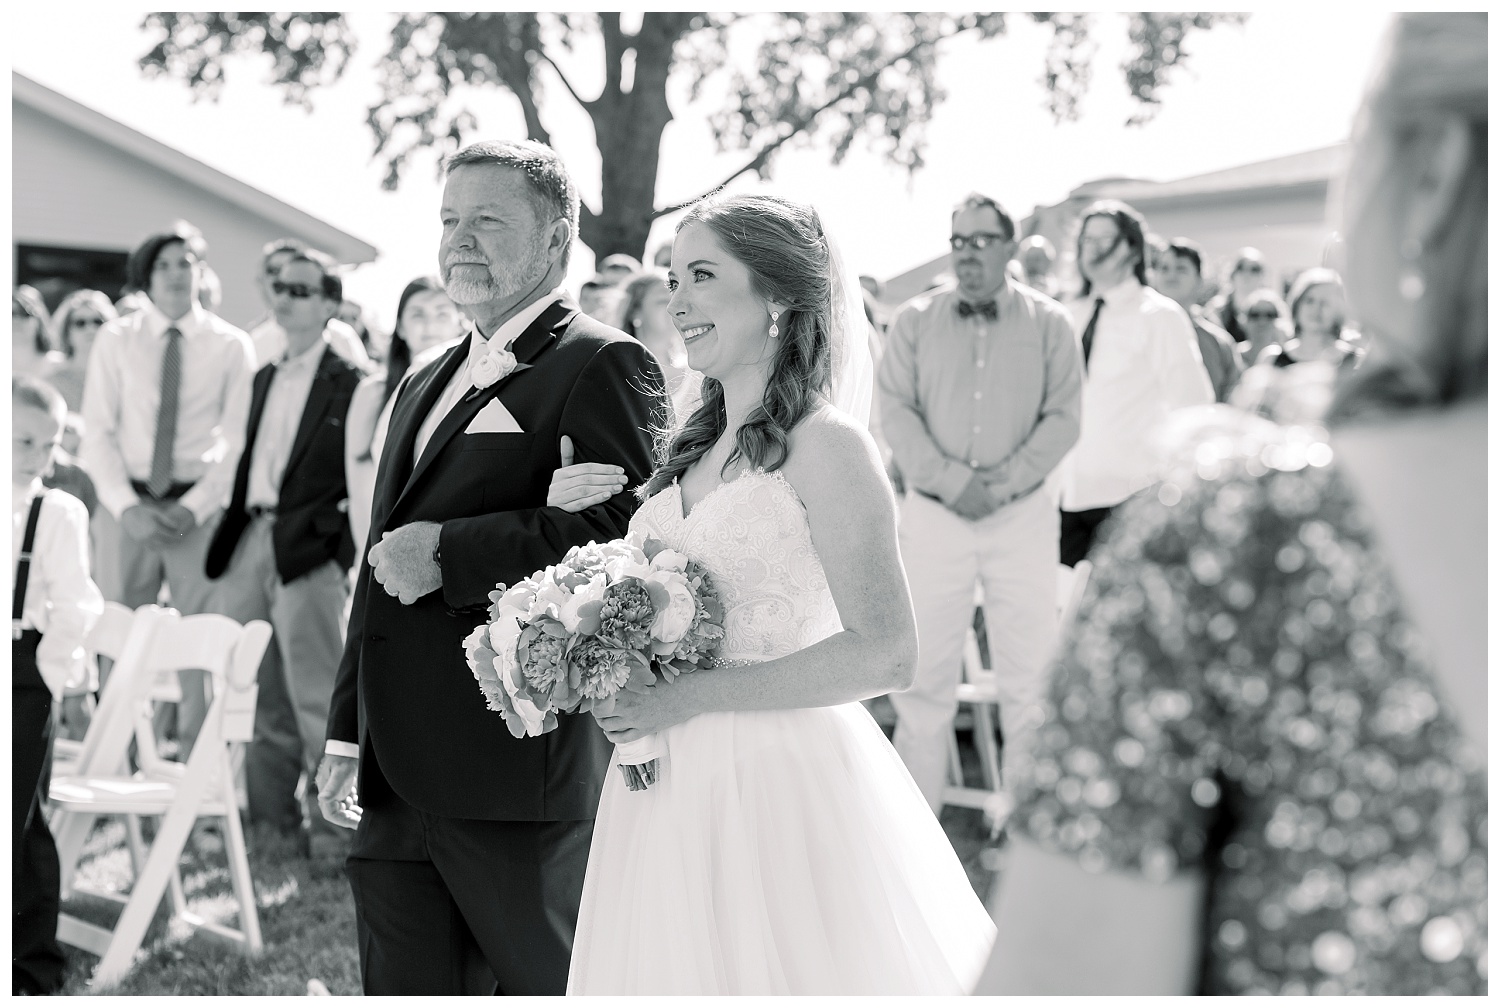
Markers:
point(582, 102)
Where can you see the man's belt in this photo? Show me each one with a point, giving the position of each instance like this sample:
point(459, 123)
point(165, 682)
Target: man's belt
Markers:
point(261, 511)
point(174, 492)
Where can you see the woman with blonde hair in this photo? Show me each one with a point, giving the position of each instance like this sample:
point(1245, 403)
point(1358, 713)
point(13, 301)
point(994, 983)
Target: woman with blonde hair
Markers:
point(31, 352)
point(1263, 764)
point(75, 325)
point(1316, 307)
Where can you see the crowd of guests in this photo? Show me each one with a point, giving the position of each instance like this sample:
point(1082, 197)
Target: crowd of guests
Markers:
point(232, 471)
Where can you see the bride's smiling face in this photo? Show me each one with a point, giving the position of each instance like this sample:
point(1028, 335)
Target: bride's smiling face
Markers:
point(724, 323)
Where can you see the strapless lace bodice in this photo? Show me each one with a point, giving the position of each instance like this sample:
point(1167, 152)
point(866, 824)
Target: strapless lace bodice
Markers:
point(753, 536)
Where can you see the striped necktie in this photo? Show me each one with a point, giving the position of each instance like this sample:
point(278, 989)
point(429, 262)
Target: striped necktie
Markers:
point(166, 415)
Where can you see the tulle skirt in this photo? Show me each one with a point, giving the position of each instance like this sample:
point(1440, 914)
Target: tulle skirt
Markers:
point(779, 852)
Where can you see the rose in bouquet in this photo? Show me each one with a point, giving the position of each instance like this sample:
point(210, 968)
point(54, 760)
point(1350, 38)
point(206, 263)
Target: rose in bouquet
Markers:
point(607, 617)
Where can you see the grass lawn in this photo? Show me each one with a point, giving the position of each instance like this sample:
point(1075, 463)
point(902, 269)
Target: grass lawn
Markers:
point(307, 912)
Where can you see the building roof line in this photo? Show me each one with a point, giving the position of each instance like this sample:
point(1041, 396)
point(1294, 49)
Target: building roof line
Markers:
point(344, 246)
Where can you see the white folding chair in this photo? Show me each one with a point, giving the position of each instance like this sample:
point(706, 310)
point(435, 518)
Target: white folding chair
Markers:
point(231, 654)
point(978, 690)
point(107, 640)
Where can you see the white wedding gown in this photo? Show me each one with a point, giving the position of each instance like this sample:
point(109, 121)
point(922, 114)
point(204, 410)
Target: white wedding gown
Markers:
point(778, 852)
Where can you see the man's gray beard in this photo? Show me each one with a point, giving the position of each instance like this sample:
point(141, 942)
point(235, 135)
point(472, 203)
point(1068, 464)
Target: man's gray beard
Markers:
point(467, 291)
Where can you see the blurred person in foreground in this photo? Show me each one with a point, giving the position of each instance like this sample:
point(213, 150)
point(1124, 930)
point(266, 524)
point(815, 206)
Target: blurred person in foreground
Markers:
point(1038, 258)
point(31, 352)
point(1265, 769)
point(283, 549)
point(75, 326)
point(1177, 271)
point(1140, 363)
point(1317, 309)
point(1248, 275)
point(427, 323)
point(267, 336)
point(979, 400)
point(164, 409)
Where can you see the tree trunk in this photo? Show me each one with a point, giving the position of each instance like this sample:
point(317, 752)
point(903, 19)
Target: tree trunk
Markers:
point(628, 126)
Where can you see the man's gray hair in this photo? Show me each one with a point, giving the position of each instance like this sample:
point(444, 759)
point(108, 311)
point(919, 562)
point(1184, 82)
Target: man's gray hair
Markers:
point(555, 194)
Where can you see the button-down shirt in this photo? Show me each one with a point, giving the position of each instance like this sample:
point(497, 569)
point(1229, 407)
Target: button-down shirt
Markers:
point(269, 340)
point(62, 601)
point(122, 394)
point(1144, 365)
point(479, 345)
point(960, 396)
point(279, 420)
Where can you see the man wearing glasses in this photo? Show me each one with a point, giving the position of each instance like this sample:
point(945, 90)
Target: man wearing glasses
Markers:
point(267, 335)
point(282, 552)
point(164, 406)
point(979, 399)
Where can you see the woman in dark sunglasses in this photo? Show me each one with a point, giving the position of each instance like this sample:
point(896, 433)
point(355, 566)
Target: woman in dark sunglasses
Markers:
point(75, 326)
point(1265, 321)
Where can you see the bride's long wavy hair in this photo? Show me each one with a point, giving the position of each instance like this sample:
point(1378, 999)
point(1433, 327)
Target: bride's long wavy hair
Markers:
point(782, 244)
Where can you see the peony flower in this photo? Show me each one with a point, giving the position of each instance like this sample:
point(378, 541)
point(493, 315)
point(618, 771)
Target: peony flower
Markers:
point(549, 600)
point(572, 612)
point(674, 603)
point(669, 559)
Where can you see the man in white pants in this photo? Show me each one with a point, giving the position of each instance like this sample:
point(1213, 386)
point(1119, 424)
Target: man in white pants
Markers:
point(979, 394)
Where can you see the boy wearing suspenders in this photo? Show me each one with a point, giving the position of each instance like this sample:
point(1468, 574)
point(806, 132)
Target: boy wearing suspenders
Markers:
point(54, 604)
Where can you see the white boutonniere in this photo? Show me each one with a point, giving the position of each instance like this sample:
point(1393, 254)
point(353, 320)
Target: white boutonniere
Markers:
point(494, 365)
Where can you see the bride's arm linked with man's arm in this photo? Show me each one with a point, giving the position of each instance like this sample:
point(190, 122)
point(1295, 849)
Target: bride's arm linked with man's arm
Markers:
point(835, 469)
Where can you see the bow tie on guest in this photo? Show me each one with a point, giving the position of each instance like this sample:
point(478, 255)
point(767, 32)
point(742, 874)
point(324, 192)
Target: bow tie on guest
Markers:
point(985, 308)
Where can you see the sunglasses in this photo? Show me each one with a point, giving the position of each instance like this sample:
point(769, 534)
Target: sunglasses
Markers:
point(981, 240)
point(1262, 316)
point(296, 290)
point(1250, 268)
point(84, 322)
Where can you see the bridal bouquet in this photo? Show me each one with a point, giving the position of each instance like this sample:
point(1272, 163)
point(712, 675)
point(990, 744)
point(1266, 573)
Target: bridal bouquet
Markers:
point(607, 617)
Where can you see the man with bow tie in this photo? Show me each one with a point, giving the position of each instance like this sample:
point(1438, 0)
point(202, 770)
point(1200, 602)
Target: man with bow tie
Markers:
point(470, 845)
point(979, 399)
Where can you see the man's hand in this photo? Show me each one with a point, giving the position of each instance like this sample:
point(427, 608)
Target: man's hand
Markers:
point(337, 798)
point(976, 501)
point(403, 563)
point(144, 524)
point(177, 518)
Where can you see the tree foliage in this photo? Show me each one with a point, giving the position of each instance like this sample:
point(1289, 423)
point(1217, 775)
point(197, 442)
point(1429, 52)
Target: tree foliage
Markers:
point(784, 79)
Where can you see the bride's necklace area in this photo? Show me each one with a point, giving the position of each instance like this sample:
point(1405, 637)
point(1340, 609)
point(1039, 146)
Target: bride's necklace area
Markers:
point(704, 477)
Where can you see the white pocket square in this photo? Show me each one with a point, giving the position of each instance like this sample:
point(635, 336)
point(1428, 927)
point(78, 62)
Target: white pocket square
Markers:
point(493, 419)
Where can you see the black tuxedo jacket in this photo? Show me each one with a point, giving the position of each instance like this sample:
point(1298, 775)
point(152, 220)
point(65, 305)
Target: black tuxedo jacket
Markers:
point(404, 690)
point(312, 525)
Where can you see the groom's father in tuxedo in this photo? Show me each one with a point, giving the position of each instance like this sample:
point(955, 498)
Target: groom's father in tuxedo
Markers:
point(468, 861)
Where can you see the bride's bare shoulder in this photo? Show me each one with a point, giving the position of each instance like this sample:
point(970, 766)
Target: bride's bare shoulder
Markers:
point(833, 458)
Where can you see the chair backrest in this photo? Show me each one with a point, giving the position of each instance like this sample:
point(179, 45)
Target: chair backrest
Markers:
point(231, 713)
point(107, 741)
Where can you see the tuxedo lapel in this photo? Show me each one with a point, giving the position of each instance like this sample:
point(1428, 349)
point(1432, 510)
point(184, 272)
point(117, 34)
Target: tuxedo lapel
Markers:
point(530, 345)
point(406, 421)
point(319, 395)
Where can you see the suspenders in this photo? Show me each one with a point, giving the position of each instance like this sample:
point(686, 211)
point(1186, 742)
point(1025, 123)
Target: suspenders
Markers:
point(23, 567)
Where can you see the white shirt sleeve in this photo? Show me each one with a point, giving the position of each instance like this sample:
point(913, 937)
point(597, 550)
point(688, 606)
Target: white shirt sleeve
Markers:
point(101, 415)
point(334, 747)
point(1179, 362)
point(211, 492)
point(61, 588)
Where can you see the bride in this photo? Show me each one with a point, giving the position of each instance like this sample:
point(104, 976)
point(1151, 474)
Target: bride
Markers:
point(783, 848)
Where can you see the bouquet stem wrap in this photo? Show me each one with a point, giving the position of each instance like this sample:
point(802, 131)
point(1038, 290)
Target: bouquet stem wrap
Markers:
point(640, 761)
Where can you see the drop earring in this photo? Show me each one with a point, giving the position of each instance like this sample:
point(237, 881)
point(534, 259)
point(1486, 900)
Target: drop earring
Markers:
point(1411, 284)
point(775, 331)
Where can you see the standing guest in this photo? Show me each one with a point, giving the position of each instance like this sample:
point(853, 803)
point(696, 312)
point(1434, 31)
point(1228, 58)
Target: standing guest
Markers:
point(427, 322)
point(471, 844)
point(31, 353)
point(164, 409)
point(75, 326)
point(352, 314)
point(1247, 275)
point(662, 258)
point(210, 289)
point(646, 318)
point(67, 471)
point(1266, 322)
point(1269, 775)
point(1317, 309)
point(1141, 362)
point(979, 399)
point(282, 551)
point(267, 336)
point(600, 300)
point(618, 268)
point(53, 608)
point(1038, 258)
point(1178, 273)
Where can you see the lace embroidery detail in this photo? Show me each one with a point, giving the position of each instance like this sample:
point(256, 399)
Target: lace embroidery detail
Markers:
point(752, 534)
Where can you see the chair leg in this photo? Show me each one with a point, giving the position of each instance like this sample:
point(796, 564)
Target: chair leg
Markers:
point(70, 831)
point(239, 869)
point(136, 844)
point(955, 761)
point(145, 895)
point(984, 741)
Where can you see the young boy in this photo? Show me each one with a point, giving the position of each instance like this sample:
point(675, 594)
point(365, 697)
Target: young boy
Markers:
point(54, 605)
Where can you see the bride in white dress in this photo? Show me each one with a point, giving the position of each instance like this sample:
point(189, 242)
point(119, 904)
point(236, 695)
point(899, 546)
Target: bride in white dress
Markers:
point(783, 848)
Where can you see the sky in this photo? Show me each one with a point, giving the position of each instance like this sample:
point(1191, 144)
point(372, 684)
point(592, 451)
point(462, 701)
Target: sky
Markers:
point(1286, 81)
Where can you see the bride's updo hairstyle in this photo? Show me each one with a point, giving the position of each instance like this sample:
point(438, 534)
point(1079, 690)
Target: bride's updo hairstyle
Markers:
point(781, 243)
point(1436, 67)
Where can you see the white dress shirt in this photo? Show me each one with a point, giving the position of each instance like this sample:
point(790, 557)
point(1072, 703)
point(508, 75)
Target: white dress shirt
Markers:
point(269, 340)
point(62, 601)
point(1144, 364)
point(279, 420)
point(122, 394)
